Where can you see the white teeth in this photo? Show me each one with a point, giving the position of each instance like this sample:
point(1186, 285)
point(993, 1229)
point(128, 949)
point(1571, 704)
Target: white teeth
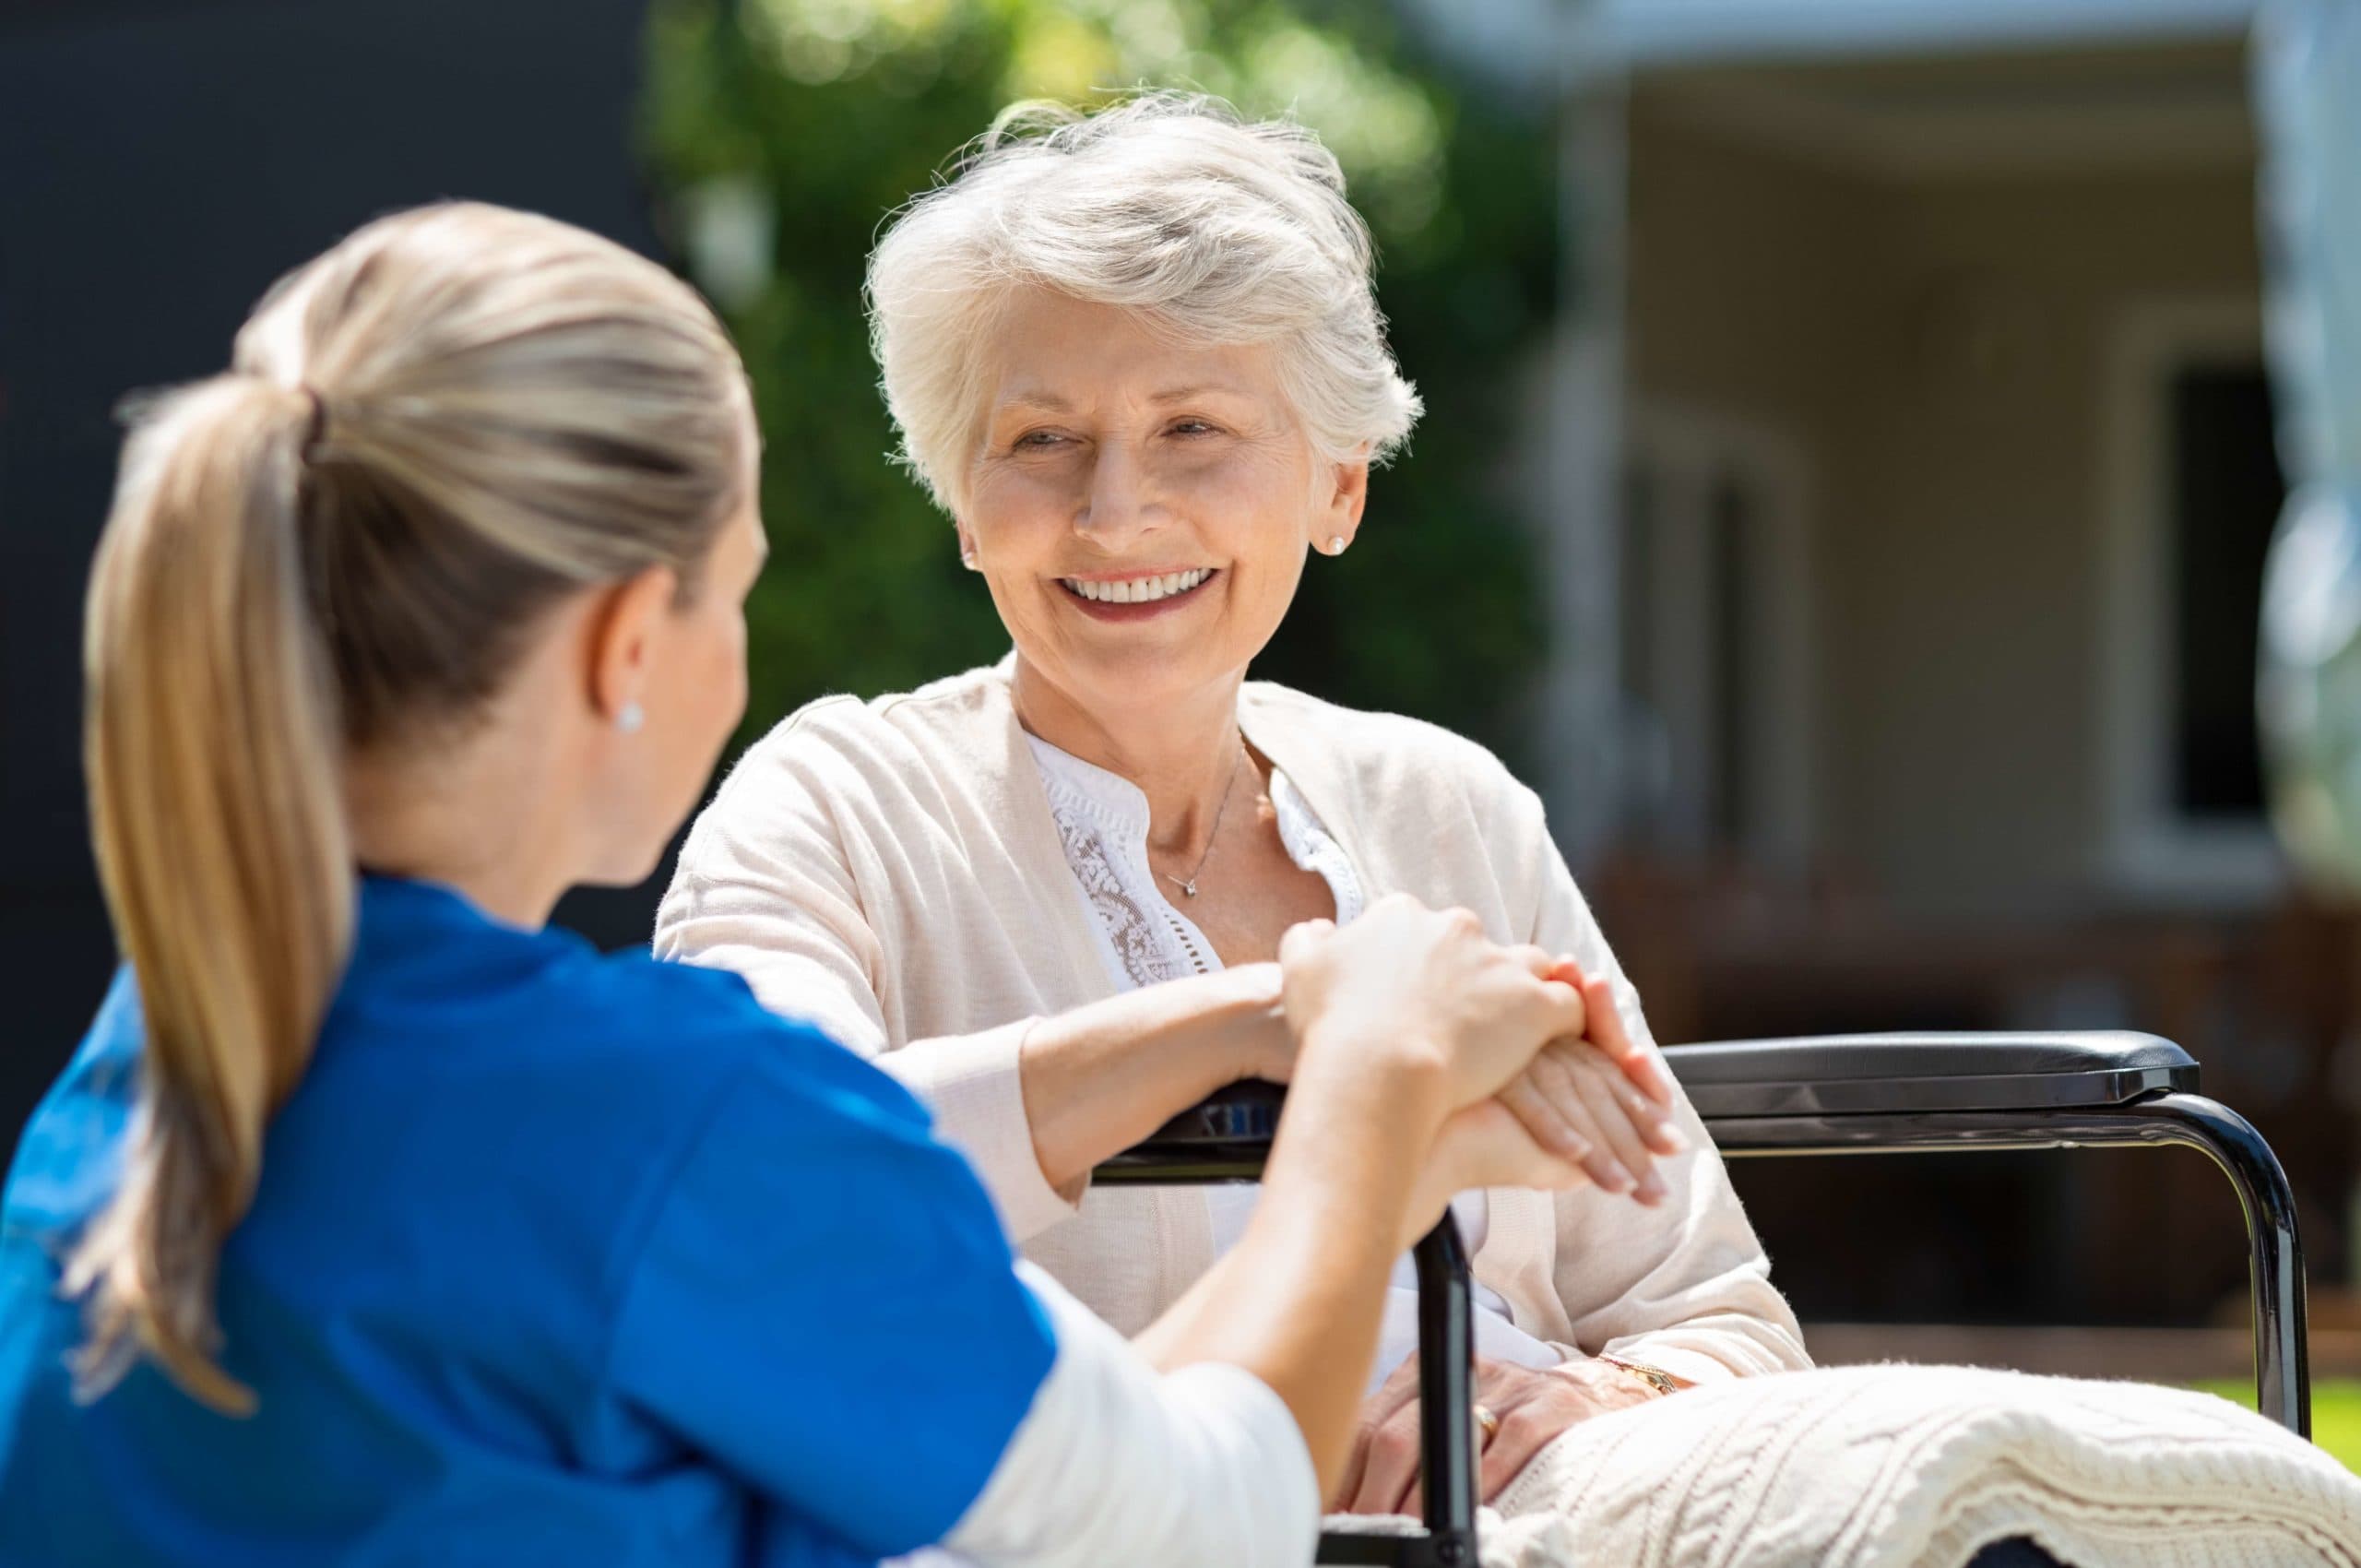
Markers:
point(1139, 590)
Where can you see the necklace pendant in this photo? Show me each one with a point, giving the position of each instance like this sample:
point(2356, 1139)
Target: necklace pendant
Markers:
point(1190, 888)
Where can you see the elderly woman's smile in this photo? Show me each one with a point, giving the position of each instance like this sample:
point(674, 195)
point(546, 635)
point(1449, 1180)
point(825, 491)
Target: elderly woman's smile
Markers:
point(1125, 596)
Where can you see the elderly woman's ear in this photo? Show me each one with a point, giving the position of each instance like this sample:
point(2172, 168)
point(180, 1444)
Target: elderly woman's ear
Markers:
point(1337, 519)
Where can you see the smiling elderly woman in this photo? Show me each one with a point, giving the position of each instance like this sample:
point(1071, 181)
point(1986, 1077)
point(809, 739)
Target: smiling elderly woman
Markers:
point(1138, 360)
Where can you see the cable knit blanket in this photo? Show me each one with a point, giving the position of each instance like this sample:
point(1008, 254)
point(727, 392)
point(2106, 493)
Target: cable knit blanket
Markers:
point(1907, 1467)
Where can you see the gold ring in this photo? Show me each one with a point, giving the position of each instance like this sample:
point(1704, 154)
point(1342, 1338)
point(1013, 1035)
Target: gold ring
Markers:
point(1488, 1423)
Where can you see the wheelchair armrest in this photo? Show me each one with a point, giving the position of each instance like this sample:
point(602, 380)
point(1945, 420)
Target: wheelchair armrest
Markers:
point(1226, 1135)
point(1244, 1112)
point(1222, 1137)
point(1794, 1096)
point(1873, 1075)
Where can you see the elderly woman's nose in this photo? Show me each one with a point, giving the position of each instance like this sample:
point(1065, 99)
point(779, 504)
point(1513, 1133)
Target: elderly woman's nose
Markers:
point(1119, 503)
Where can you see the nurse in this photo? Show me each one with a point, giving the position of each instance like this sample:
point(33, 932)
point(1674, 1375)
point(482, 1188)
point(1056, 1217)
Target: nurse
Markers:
point(375, 1221)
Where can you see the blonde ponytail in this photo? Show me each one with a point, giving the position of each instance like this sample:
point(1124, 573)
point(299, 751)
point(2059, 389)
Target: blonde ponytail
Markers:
point(432, 433)
point(217, 807)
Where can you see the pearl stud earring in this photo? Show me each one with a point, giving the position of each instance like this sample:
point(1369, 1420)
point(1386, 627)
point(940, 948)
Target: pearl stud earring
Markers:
point(1337, 544)
point(630, 720)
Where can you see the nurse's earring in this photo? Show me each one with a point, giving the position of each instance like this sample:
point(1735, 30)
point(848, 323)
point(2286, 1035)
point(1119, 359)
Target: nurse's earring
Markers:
point(1337, 544)
point(630, 718)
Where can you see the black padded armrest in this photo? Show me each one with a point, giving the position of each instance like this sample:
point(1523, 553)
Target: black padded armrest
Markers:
point(1867, 1074)
point(1227, 1133)
point(1223, 1137)
point(1840, 1093)
point(1242, 1113)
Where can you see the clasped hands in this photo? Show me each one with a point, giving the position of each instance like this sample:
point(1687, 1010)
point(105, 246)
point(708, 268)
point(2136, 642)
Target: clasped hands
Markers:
point(1566, 1095)
point(1553, 1091)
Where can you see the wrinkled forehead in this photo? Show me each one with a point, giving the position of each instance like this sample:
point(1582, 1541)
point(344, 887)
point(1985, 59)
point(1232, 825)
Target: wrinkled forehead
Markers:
point(1057, 354)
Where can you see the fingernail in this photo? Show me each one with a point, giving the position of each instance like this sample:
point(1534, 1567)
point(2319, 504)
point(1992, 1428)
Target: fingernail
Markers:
point(1651, 1189)
point(1673, 1139)
point(1616, 1180)
point(1574, 1146)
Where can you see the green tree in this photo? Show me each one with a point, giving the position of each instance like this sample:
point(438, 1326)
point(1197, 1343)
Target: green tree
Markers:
point(784, 132)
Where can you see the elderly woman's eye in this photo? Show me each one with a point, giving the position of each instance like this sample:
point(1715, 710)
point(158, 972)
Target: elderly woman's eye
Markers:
point(1192, 427)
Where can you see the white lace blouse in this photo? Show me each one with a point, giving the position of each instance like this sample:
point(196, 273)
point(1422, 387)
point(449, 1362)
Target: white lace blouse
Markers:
point(1144, 939)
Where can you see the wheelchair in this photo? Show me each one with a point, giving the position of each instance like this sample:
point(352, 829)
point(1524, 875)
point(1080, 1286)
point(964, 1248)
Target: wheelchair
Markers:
point(1841, 1094)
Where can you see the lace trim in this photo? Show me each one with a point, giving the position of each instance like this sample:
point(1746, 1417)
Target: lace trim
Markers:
point(1146, 935)
point(1120, 915)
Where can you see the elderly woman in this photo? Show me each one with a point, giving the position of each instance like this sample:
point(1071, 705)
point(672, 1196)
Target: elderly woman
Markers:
point(1138, 358)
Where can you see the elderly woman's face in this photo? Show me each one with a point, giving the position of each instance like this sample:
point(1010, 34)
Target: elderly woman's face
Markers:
point(1140, 509)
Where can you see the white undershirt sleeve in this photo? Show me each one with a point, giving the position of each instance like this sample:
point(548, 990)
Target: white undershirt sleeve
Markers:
point(1118, 1463)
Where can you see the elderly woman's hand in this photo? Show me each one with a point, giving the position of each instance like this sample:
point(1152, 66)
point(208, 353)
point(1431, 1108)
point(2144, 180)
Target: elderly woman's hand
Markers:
point(1530, 1406)
point(1583, 1100)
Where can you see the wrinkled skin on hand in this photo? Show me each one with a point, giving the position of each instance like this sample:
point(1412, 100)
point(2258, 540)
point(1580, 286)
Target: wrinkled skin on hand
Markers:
point(1533, 1406)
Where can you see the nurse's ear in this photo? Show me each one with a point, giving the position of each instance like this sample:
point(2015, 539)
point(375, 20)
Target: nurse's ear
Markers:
point(623, 632)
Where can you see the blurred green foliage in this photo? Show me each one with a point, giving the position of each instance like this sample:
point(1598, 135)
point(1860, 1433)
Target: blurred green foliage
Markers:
point(784, 132)
point(2336, 1413)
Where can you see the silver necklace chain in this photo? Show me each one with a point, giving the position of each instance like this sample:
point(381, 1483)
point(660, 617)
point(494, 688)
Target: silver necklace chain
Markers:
point(1188, 885)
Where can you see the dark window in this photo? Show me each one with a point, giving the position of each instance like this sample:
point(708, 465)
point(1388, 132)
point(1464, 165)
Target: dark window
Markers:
point(2225, 497)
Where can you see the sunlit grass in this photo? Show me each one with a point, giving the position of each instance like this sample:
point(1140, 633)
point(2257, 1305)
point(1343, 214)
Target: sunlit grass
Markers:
point(2336, 1413)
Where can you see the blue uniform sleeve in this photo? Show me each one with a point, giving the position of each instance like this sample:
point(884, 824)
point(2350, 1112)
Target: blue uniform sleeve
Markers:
point(70, 1151)
point(825, 1307)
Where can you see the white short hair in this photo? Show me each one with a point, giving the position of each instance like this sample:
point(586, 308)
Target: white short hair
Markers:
point(1213, 228)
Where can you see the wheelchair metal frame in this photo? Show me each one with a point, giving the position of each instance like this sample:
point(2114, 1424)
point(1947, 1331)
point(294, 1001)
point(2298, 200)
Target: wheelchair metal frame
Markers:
point(2282, 1357)
point(1843, 1095)
point(1446, 1366)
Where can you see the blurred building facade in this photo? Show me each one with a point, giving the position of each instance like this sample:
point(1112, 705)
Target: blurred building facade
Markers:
point(1910, 472)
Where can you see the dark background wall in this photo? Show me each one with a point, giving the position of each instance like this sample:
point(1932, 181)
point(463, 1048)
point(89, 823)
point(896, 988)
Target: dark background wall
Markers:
point(160, 162)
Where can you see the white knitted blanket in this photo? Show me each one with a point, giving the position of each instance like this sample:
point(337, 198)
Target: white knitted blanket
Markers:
point(1907, 1467)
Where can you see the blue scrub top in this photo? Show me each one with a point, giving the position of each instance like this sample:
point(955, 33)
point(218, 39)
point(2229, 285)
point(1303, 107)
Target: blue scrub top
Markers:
point(556, 1258)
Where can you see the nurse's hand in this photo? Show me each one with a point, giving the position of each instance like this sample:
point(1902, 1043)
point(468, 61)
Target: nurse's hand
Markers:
point(1483, 1145)
point(1426, 990)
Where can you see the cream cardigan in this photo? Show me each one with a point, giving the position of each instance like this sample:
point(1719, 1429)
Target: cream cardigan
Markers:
point(890, 871)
